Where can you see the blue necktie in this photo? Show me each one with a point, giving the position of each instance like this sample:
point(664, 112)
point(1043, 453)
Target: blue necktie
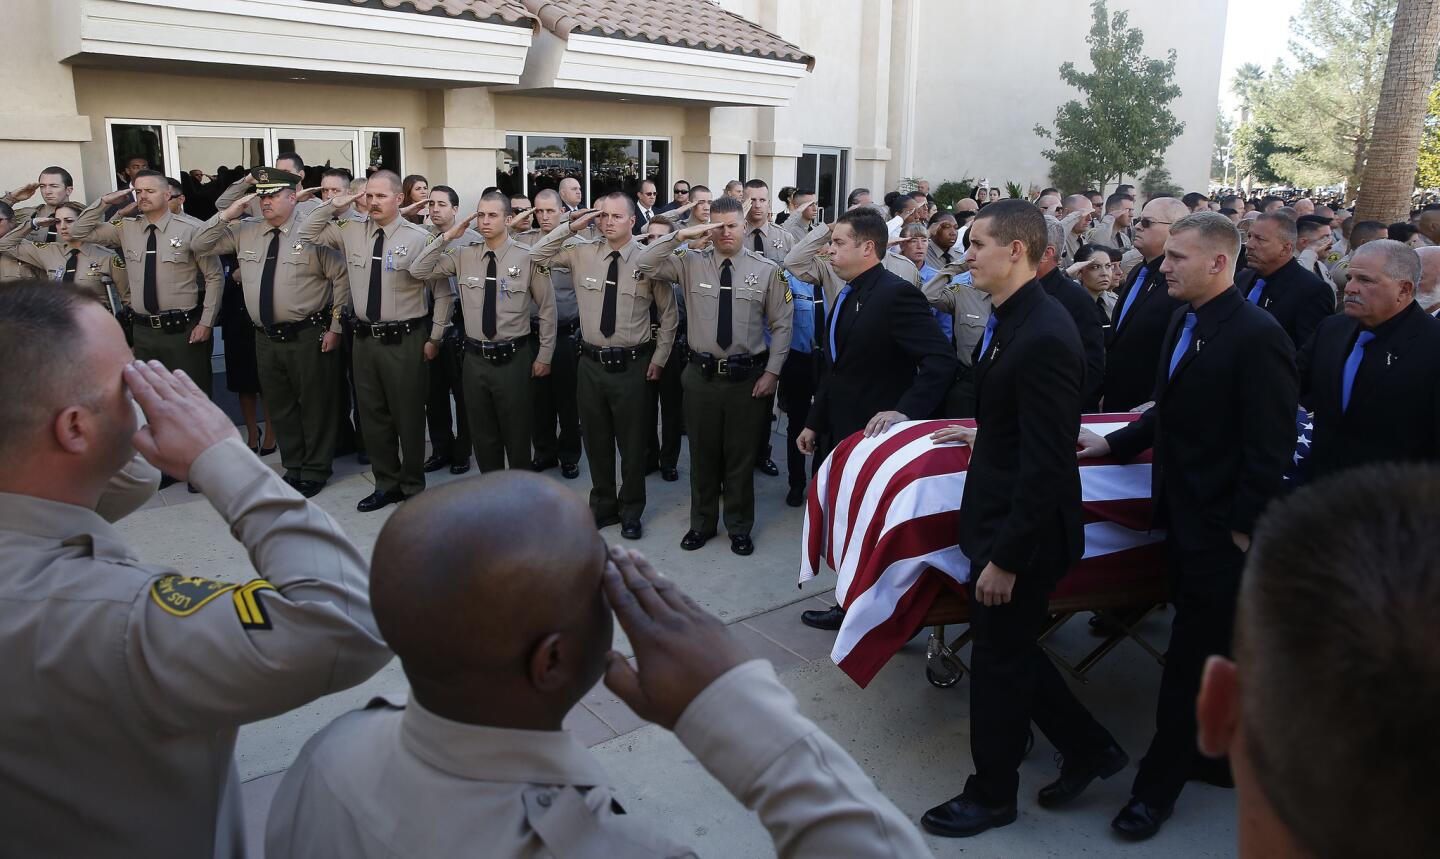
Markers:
point(1254, 295)
point(1183, 343)
point(1352, 366)
point(989, 334)
point(835, 319)
point(1134, 291)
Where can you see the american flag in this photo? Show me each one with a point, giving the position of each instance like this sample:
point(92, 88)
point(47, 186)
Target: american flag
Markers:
point(1299, 471)
point(884, 514)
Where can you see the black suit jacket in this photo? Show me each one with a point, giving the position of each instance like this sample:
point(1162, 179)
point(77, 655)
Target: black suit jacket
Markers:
point(1134, 347)
point(892, 357)
point(1021, 508)
point(1394, 413)
point(1295, 297)
point(1090, 321)
point(641, 220)
point(1222, 428)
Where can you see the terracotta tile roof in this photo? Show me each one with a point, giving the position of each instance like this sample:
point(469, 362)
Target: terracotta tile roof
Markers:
point(696, 24)
point(488, 11)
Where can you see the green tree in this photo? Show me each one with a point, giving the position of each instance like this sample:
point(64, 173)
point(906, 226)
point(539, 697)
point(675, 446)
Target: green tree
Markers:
point(1224, 128)
point(1125, 124)
point(1428, 173)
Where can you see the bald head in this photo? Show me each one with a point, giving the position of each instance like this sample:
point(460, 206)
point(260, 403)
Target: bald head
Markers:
point(1428, 292)
point(501, 620)
point(966, 204)
point(1429, 225)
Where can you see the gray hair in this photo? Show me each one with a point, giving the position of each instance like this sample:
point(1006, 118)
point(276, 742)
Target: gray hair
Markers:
point(914, 231)
point(1215, 232)
point(1054, 235)
point(1400, 263)
point(1284, 225)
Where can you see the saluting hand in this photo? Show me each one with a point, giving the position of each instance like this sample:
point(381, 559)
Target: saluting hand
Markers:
point(24, 192)
point(680, 649)
point(458, 228)
point(182, 421)
point(414, 207)
point(306, 193)
point(41, 223)
point(581, 220)
point(341, 202)
point(128, 210)
point(522, 218)
point(695, 231)
point(114, 197)
point(237, 209)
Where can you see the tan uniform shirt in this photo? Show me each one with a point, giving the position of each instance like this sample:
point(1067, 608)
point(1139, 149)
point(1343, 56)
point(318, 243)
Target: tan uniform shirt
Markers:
point(12, 269)
point(515, 278)
point(92, 267)
point(308, 278)
point(126, 682)
point(1311, 262)
point(758, 291)
point(796, 229)
point(402, 295)
point(240, 189)
point(935, 255)
point(397, 780)
point(567, 311)
point(178, 266)
point(1106, 233)
point(30, 213)
point(775, 241)
point(807, 262)
point(589, 262)
point(969, 307)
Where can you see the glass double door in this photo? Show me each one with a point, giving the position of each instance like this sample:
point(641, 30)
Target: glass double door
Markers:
point(207, 159)
point(822, 170)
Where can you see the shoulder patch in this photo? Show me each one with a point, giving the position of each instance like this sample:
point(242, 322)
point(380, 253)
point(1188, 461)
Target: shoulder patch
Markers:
point(681, 251)
point(42, 244)
point(182, 596)
point(342, 222)
point(118, 261)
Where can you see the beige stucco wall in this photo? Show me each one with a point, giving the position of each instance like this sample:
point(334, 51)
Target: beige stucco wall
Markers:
point(990, 73)
point(39, 125)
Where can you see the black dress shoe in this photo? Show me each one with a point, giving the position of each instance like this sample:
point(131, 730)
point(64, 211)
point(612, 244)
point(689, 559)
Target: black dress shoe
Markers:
point(362, 457)
point(308, 488)
point(669, 473)
point(266, 451)
point(795, 497)
point(543, 464)
point(830, 618)
point(459, 467)
point(436, 462)
point(379, 499)
point(570, 470)
point(290, 480)
point(1076, 775)
point(768, 466)
point(693, 540)
point(962, 818)
point(1139, 820)
point(631, 530)
point(607, 521)
point(741, 544)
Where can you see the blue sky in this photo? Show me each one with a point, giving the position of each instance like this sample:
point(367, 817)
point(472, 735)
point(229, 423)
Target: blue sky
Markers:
point(1256, 31)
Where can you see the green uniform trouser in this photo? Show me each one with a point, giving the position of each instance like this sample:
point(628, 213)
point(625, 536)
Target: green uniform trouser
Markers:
point(302, 392)
point(498, 409)
point(391, 382)
point(175, 351)
point(612, 413)
point(720, 420)
point(960, 399)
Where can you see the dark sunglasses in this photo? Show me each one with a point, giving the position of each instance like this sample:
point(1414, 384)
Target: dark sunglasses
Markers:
point(681, 191)
point(1147, 223)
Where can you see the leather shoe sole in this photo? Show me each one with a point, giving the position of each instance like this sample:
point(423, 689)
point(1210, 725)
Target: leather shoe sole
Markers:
point(607, 522)
point(693, 540)
point(962, 818)
point(669, 475)
point(1074, 779)
point(830, 618)
point(570, 470)
point(459, 468)
point(543, 464)
point(631, 530)
point(308, 488)
point(741, 544)
point(1138, 820)
point(435, 463)
point(377, 500)
point(768, 467)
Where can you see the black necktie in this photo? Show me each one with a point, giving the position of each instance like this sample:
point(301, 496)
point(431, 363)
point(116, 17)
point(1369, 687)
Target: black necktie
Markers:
point(70, 264)
point(722, 328)
point(377, 259)
point(607, 311)
point(267, 279)
point(819, 308)
point(759, 242)
point(152, 276)
point(946, 257)
point(492, 284)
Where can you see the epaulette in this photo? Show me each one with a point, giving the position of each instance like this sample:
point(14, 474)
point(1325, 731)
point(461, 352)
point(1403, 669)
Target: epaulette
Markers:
point(342, 222)
point(761, 257)
point(42, 244)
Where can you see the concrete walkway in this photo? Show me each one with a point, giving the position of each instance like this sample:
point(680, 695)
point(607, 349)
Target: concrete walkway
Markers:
point(912, 738)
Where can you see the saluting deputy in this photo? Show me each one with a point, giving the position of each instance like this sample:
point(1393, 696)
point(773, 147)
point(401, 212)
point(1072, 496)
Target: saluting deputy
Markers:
point(553, 395)
point(294, 292)
point(496, 284)
point(953, 291)
point(734, 296)
point(12, 269)
point(127, 681)
point(618, 354)
point(84, 264)
point(395, 335)
point(55, 187)
point(173, 317)
point(448, 447)
point(762, 236)
point(306, 199)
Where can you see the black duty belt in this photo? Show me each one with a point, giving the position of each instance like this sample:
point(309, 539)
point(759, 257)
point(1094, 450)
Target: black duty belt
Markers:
point(616, 358)
point(168, 321)
point(728, 366)
point(562, 329)
point(496, 352)
point(389, 332)
point(284, 332)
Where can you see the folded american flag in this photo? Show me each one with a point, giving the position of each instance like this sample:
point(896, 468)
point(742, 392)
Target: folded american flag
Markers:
point(884, 514)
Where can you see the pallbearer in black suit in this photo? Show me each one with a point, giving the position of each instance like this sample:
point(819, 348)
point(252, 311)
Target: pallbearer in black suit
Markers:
point(1089, 321)
point(1223, 431)
point(888, 361)
point(1372, 374)
point(1021, 527)
point(1277, 283)
point(1143, 308)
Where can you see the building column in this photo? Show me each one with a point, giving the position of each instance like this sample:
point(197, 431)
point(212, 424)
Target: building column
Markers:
point(708, 158)
point(872, 153)
point(40, 124)
point(461, 141)
point(779, 131)
point(905, 51)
